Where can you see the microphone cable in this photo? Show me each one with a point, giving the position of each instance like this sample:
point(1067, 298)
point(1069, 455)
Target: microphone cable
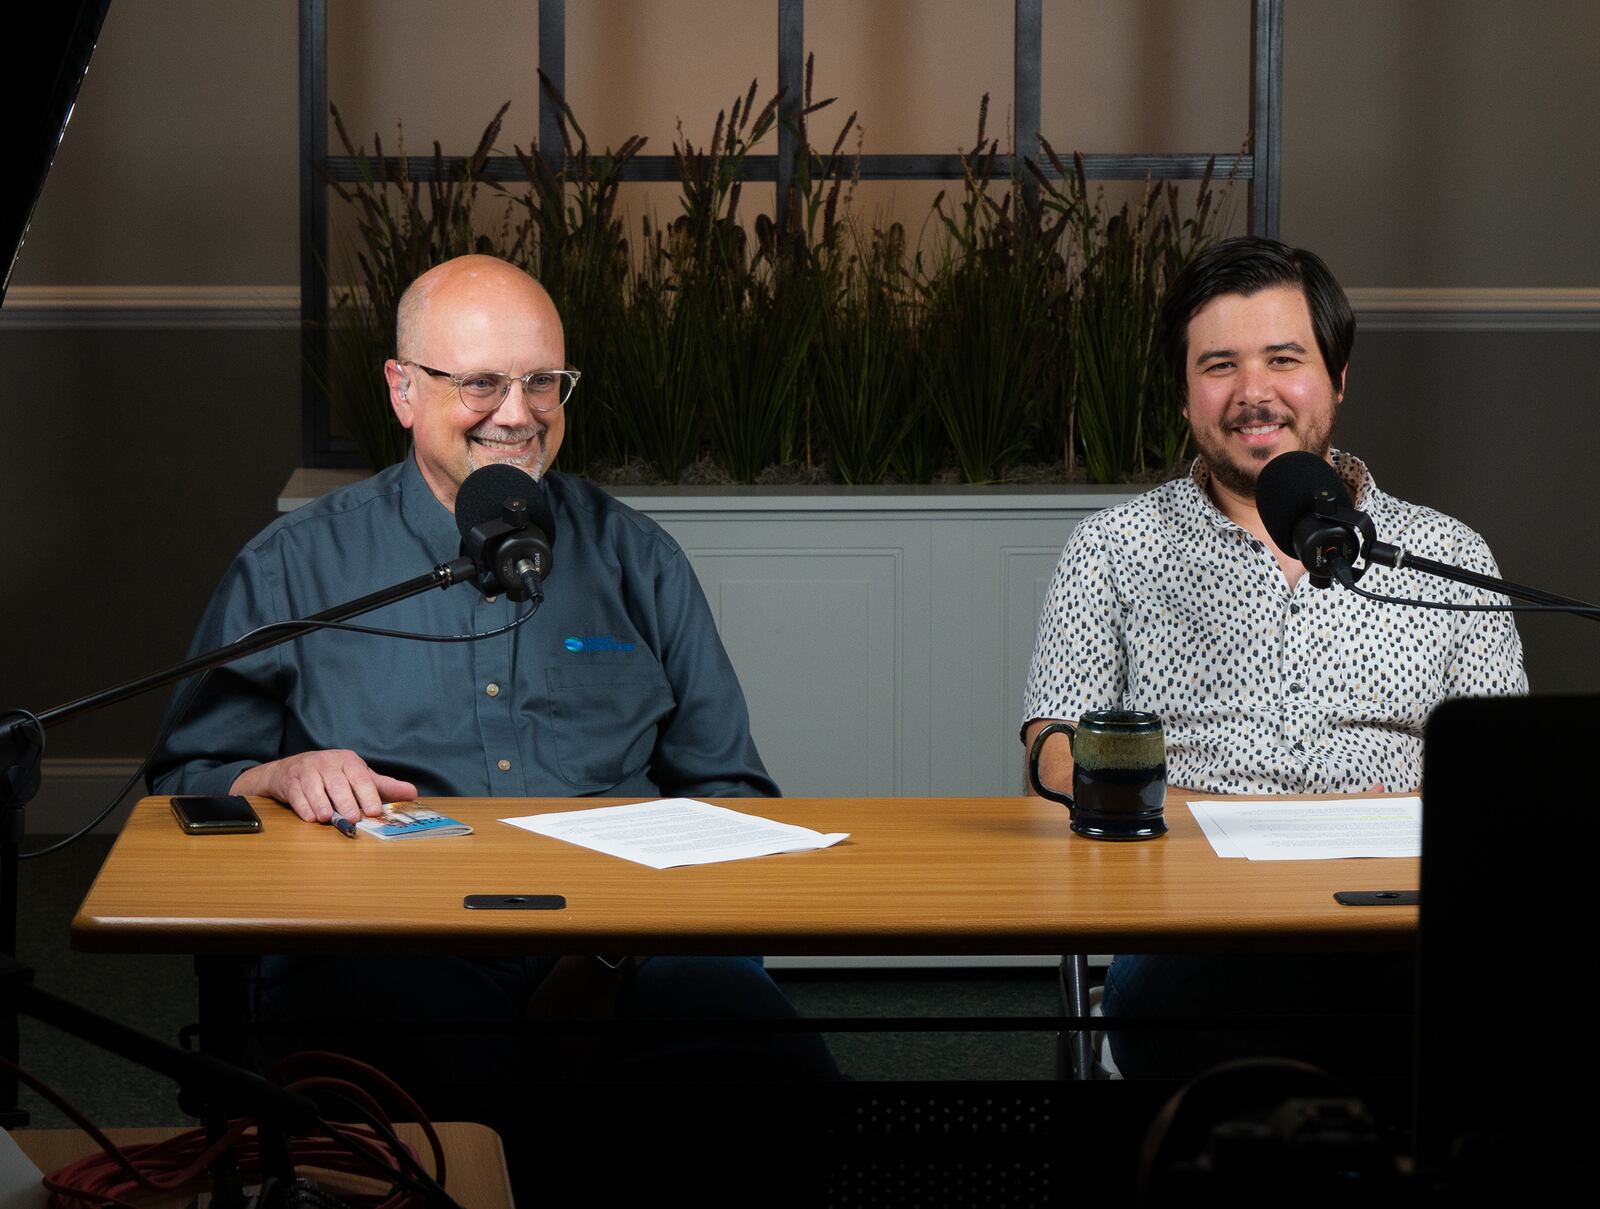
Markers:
point(127, 786)
point(409, 636)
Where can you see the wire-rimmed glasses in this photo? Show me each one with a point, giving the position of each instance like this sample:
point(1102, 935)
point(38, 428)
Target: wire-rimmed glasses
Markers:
point(483, 390)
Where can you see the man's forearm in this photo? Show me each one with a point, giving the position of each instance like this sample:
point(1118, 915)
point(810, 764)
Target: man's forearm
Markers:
point(1055, 760)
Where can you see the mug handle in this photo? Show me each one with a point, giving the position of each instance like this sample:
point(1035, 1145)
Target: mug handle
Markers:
point(1033, 765)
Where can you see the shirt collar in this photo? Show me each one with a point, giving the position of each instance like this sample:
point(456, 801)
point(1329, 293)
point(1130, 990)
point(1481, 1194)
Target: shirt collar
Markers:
point(1357, 478)
point(1198, 506)
point(430, 520)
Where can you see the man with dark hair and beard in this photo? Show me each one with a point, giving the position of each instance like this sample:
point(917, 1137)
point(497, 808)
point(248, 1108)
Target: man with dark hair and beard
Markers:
point(1179, 603)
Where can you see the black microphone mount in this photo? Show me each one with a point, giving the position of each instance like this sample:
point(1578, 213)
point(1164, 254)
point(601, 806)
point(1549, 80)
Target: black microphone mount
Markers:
point(512, 549)
point(1331, 536)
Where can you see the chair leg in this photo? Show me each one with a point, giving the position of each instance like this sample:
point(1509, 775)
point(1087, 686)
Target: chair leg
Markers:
point(1075, 1047)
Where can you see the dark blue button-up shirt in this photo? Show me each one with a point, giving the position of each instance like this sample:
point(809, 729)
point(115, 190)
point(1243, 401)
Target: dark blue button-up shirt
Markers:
point(618, 685)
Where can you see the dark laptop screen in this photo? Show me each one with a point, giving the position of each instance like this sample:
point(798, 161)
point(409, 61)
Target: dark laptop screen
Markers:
point(1506, 1049)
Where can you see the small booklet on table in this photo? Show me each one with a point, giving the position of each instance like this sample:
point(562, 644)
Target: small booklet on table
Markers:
point(412, 822)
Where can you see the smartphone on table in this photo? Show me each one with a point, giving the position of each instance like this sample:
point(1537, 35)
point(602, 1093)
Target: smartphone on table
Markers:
point(219, 814)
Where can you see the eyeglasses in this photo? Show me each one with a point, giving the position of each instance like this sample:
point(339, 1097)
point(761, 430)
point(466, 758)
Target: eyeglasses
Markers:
point(484, 390)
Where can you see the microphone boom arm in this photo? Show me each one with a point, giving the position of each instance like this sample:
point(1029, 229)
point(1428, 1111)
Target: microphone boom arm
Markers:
point(1388, 555)
point(442, 576)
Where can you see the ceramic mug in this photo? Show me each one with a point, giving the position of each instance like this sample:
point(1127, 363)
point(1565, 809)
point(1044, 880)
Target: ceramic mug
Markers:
point(1119, 774)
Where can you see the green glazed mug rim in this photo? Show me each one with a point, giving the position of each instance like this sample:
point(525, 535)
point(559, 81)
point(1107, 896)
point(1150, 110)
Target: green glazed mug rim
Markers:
point(1120, 719)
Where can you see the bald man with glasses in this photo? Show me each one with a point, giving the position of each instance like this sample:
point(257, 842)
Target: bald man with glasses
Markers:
point(618, 687)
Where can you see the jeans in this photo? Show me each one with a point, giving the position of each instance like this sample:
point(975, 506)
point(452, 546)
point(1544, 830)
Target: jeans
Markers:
point(1289, 984)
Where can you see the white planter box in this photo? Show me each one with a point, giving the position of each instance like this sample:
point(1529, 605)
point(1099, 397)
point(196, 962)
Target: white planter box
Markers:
point(882, 635)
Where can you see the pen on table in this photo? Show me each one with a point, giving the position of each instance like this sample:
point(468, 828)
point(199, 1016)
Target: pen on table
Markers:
point(345, 826)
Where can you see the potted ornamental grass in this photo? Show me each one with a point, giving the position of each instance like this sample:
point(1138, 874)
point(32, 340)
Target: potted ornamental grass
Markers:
point(1013, 342)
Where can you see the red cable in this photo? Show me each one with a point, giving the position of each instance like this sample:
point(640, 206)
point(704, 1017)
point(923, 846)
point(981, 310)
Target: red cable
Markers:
point(109, 1175)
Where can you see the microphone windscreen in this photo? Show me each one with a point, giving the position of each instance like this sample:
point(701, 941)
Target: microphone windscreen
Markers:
point(486, 490)
point(1287, 490)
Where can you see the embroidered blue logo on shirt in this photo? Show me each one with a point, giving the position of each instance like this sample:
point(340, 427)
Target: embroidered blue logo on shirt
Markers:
point(597, 643)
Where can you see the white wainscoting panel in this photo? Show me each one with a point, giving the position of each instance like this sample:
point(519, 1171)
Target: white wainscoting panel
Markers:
point(813, 634)
point(882, 638)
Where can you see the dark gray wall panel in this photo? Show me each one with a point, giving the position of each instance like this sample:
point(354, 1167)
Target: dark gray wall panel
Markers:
point(1499, 429)
point(136, 463)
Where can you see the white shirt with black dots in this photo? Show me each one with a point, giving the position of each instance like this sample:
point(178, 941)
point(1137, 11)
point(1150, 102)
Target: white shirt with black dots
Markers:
point(1164, 604)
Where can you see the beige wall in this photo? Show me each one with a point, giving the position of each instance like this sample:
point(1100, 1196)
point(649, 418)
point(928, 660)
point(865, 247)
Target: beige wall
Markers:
point(178, 164)
point(1426, 142)
point(1445, 143)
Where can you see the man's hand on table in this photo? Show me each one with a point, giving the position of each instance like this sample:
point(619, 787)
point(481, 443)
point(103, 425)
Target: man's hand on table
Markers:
point(316, 785)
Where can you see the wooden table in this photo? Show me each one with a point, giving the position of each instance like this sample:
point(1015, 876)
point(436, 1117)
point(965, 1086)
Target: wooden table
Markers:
point(916, 876)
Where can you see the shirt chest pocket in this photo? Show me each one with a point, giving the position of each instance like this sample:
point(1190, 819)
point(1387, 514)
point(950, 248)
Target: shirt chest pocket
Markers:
point(604, 720)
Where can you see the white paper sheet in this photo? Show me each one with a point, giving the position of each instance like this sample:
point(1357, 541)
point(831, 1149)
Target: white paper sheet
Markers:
point(1220, 843)
point(1289, 829)
point(675, 831)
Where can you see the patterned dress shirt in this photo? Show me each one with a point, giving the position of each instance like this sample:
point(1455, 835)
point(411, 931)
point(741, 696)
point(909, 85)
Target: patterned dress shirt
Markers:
point(1164, 604)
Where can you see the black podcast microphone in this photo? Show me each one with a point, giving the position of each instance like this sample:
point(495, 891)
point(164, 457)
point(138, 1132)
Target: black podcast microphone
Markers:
point(1308, 513)
point(507, 528)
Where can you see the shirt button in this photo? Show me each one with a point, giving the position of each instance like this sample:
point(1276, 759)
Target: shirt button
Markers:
point(1297, 688)
point(504, 766)
point(493, 690)
point(490, 599)
point(1294, 608)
